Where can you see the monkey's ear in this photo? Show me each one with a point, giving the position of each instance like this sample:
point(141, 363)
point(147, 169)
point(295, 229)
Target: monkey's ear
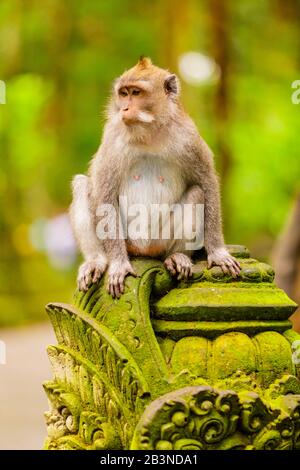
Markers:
point(171, 85)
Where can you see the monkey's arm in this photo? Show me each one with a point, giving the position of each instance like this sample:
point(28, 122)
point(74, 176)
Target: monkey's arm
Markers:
point(105, 184)
point(205, 175)
point(82, 223)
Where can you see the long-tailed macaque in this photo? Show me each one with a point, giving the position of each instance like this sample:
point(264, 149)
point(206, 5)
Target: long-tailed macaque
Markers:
point(151, 153)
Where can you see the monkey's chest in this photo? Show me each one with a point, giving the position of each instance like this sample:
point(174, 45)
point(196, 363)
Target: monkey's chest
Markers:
point(152, 181)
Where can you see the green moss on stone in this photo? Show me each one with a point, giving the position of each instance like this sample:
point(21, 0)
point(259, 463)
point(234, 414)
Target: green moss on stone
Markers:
point(207, 329)
point(223, 302)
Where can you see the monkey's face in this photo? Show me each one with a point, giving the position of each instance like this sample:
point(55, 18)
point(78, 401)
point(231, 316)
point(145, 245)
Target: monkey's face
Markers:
point(145, 95)
point(134, 103)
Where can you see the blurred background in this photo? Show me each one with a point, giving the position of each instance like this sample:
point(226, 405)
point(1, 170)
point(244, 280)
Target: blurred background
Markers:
point(236, 61)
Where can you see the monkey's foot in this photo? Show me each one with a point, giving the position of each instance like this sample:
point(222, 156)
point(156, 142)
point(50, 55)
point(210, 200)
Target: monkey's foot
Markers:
point(117, 272)
point(179, 265)
point(90, 272)
point(221, 257)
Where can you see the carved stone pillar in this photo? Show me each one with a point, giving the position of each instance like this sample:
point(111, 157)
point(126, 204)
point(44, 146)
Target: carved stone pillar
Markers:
point(209, 363)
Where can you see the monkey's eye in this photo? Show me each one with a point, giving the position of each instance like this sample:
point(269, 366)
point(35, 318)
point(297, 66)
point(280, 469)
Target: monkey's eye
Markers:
point(136, 92)
point(123, 93)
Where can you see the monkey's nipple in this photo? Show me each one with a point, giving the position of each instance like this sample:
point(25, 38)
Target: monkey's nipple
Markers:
point(136, 177)
point(161, 179)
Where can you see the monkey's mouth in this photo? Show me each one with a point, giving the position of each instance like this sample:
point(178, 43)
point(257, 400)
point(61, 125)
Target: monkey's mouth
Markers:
point(143, 117)
point(129, 121)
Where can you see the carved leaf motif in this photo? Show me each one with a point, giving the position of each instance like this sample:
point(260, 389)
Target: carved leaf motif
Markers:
point(92, 364)
point(190, 418)
point(255, 414)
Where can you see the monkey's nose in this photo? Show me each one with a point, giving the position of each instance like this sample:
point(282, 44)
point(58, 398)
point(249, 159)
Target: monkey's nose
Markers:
point(127, 115)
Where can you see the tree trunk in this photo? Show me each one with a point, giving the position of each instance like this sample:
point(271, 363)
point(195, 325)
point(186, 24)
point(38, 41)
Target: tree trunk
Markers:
point(287, 259)
point(220, 49)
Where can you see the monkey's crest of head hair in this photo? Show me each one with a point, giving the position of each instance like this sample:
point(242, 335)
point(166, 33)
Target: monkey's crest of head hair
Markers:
point(144, 62)
point(143, 69)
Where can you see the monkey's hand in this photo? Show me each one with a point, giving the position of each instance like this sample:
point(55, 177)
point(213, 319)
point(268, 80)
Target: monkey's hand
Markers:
point(179, 265)
point(221, 257)
point(90, 272)
point(117, 271)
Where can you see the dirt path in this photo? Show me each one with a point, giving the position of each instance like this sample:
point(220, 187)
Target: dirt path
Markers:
point(22, 399)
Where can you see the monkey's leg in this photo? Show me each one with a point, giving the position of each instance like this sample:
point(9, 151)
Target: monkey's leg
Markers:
point(85, 232)
point(178, 261)
point(179, 251)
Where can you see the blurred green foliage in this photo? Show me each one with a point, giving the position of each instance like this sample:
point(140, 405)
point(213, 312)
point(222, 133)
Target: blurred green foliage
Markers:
point(58, 59)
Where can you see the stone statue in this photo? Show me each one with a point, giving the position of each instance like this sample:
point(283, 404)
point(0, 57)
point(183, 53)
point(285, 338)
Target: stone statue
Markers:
point(208, 363)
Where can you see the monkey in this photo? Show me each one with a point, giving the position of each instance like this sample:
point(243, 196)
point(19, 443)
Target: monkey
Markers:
point(151, 153)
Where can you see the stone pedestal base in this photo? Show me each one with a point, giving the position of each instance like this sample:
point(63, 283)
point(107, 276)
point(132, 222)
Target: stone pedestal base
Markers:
point(209, 363)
